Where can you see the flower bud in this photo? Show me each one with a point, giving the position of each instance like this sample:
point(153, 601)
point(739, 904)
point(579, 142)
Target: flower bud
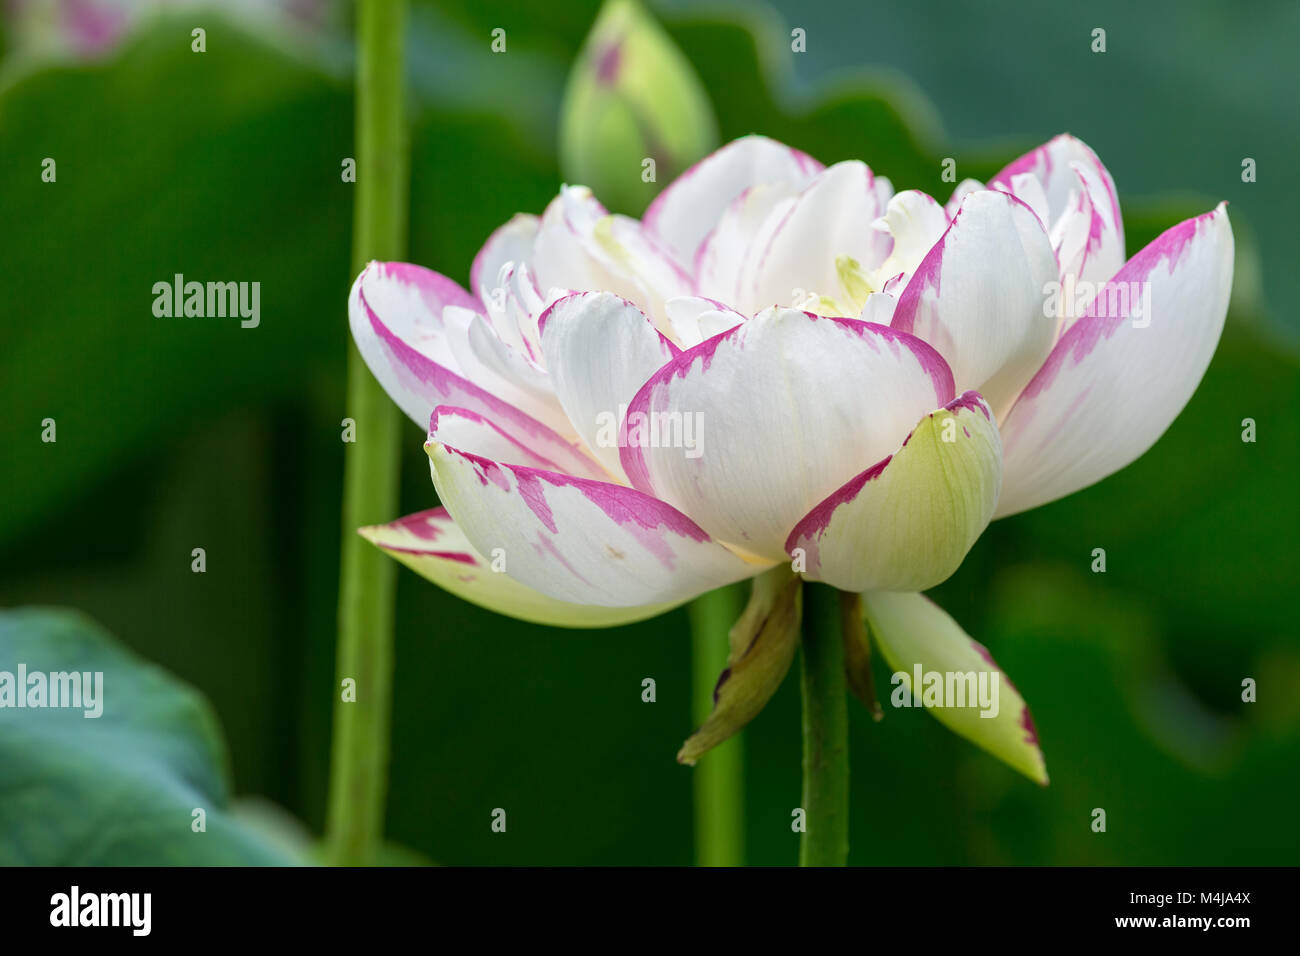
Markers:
point(635, 114)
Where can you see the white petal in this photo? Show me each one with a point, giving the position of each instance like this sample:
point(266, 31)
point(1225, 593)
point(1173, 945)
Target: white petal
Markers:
point(793, 259)
point(884, 191)
point(1029, 190)
point(578, 541)
point(978, 296)
point(1089, 245)
point(582, 248)
point(689, 208)
point(785, 408)
point(502, 370)
point(879, 308)
point(720, 265)
point(916, 222)
point(510, 245)
point(960, 192)
point(693, 318)
point(1051, 164)
point(430, 544)
point(395, 311)
point(600, 350)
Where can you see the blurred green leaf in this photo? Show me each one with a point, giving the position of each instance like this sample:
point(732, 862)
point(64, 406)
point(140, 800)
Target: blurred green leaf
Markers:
point(118, 789)
point(222, 166)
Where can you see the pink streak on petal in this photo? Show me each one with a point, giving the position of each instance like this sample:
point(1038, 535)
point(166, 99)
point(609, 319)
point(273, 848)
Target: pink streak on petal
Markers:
point(545, 546)
point(1026, 719)
point(455, 411)
point(530, 489)
point(813, 525)
point(608, 62)
point(925, 277)
point(970, 400)
point(436, 290)
point(1084, 335)
point(457, 556)
point(1027, 722)
point(542, 319)
point(632, 456)
point(423, 524)
point(412, 364)
point(645, 517)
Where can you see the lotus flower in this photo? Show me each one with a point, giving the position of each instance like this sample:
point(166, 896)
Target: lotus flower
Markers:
point(784, 366)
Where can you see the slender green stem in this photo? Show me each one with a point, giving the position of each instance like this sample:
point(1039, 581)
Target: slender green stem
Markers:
point(719, 777)
point(359, 762)
point(825, 841)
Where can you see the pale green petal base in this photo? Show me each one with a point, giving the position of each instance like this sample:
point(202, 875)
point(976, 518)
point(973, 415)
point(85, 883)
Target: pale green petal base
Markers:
point(907, 524)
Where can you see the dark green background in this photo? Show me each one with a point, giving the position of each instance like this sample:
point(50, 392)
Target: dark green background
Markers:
point(183, 433)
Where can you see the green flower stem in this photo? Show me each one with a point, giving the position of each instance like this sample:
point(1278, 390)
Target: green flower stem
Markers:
point(359, 762)
point(825, 841)
point(719, 777)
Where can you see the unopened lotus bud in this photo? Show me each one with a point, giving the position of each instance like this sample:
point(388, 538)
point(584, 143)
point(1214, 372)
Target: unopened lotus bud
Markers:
point(635, 115)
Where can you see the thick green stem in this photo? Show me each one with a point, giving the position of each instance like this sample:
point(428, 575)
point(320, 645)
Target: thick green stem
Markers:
point(719, 778)
point(825, 841)
point(359, 762)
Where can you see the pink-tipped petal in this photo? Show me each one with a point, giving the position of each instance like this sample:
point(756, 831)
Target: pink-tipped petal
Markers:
point(689, 208)
point(978, 296)
point(913, 634)
point(395, 311)
point(469, 431)
point(1122, 373)
point(580, 541)
point(430, 544)
point(1089, 244)
point(1051, 165)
